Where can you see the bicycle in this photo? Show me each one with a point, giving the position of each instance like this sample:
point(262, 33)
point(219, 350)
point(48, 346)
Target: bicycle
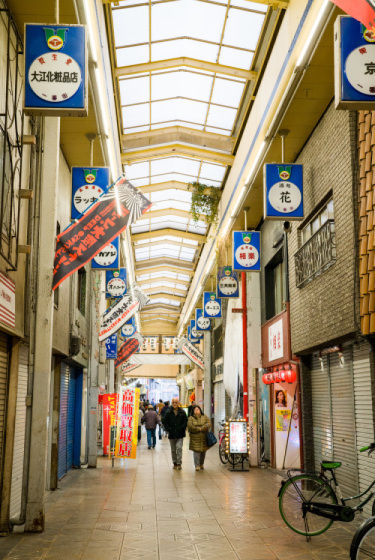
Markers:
point(310, 502)
point(225, 457)
point(363, 543)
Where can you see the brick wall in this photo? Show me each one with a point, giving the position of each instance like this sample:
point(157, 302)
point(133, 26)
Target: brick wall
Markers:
point(324, 310)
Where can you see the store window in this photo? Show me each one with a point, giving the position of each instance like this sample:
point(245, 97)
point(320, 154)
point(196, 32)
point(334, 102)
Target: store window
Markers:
point(324, 214)
point(275, 286)
point(81, 303)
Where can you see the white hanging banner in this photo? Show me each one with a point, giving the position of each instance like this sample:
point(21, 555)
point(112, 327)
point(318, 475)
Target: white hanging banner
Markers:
point(192, 352)
point(159, 359)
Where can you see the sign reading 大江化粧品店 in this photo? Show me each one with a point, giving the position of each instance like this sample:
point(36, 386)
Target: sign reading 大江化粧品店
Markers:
point(55, 70)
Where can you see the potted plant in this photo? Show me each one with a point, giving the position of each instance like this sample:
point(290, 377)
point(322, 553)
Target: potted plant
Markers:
point(204, 200)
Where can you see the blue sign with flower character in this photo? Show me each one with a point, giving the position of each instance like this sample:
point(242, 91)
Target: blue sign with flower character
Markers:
point(129, 329)
point(115, 283)
point(194, 332)
point(246, 250)
point(108, 258)
point(111, 347)
point(55, 70)
point(88, 184)
point(227, 283)
point(283, 191)
point(201, 323)
point(211, 305)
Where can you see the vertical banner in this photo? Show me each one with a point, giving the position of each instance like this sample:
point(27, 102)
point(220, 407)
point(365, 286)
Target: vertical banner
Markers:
point(283, 191)
point(111, 347)
point(201, 323)
point(227, 283)
point(129, 329)
point(108, 257)
point(109, 418)
point(87, 186)
point(127, 423)
point(246, 250)
point(55, 70)
point(211, 305)
point(115, 283)
point(194, 333)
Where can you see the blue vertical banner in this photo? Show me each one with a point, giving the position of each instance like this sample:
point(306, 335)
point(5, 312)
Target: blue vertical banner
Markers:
point(111, 347)
point(191, 338)
point(115, 283)
point(193, 330)
point(129, 329)
point(108, 258)
point(88, 184)
point(201, 323)
point(283, 191)
point(55, 70)
point(227, 283)
point(246, 250)
point(211, 305)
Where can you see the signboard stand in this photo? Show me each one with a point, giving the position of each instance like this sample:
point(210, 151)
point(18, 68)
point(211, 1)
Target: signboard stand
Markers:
point(237, 443)
point(232, 461)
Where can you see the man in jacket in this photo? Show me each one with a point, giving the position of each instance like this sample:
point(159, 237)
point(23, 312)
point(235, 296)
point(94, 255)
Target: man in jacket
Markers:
point(175, 422)
point(151, 419)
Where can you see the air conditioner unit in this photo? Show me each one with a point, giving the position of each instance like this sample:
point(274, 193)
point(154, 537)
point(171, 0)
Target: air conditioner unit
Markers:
point(75, 345)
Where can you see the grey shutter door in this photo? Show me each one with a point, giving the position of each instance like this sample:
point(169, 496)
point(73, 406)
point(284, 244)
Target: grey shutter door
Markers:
point(19, 436)
point(343, 421)
point(321, 411)
point(63, 423)
point(4, 358)
point(219, 401)
point(363, 415)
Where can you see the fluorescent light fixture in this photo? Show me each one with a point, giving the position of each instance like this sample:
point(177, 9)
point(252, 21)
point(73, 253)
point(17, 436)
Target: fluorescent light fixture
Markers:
point(255, 163)
point(88, 17)
point(326, 7)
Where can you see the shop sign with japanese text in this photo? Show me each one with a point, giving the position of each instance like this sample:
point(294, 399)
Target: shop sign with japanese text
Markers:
point(246, 250)
point(127, 423)
point(201, 323)
point(227, 283)
point(127, 367)
point(127, 349)
point(109, 401)
point(88, 184)
point(115, 283)
point(238, 438)
point(192, 352)
point(102, 222)
point(111, 347)
point(211, 305)
point(108, 257)
point(283, 191)
point(354, 65)
point(275, 341)
point(193, 331)
point(190, 337)
point(55, 70)
point(129, 329)
point(7, 301)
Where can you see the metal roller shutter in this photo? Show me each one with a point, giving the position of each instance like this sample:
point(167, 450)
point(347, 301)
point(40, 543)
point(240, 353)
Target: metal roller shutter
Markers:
point(19, 436)
point(4, 360)
point(363, 415)
point(343, 421)
point(321, 407)
point(219, 401)
point(70, 419)
point(64, 392)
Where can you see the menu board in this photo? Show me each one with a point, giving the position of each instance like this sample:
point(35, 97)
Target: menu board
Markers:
point(238, 437)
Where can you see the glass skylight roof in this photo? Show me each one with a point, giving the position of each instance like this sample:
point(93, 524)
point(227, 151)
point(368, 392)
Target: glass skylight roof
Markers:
point(213, 43)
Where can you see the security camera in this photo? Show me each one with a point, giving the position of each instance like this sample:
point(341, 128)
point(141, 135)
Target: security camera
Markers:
point(287, 227)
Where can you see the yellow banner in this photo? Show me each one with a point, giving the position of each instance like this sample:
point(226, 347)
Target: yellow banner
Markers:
point(127, 423)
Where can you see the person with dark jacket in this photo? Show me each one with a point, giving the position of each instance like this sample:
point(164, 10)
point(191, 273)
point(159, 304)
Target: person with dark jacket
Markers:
point(151, 419)
point(191, 408)
point(175, 422)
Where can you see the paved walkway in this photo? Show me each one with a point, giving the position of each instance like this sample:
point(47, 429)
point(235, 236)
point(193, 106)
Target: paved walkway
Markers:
point(147, 510)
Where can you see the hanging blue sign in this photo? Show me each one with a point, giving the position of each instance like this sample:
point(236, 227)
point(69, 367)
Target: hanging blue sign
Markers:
point(108, 257)
point(283, 191)
point(88, 184)
point(129, 329)
point(111, 347)
point(115, 283)
point(193, 330)
point(227, 283)
point(246, 250)
point(190, 337)
point(201, 323)
point(211, 305)
point(55, 70)
point(354, 65)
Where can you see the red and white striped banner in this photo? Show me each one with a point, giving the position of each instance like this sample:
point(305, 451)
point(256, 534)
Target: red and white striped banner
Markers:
point(7, 301)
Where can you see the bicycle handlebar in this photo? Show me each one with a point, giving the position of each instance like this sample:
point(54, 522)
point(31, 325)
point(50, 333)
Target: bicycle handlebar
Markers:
point(370, 448)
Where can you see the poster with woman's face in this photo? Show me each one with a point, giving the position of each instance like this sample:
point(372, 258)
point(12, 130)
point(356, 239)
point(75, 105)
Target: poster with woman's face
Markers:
point(280, 399)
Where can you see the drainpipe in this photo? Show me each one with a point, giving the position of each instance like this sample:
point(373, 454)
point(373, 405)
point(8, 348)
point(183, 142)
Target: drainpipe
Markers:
point(244, 349)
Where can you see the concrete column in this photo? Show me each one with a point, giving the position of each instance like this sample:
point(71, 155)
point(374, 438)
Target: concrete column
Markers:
point(207, 374)
point(254, 348)
point(93, 370)
point(9, 435)
point(111, 376)
point(43, 326)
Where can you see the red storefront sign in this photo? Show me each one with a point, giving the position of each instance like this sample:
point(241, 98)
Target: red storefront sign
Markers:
point(109, 418)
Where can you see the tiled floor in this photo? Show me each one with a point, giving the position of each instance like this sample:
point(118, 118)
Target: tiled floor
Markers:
point(146, 510)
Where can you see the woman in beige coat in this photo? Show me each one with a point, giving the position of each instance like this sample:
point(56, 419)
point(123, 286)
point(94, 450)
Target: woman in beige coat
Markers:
point(198, 425)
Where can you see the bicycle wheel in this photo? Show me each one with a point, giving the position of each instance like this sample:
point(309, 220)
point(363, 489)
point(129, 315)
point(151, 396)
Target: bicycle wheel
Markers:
point(222, 453)
point(234, 458)
point(301, 489)
point(363, 543)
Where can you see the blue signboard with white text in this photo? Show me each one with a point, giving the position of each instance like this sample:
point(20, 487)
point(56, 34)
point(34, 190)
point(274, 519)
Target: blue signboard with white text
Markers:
point(211, 305)
point(108, 258)
point(201, 323)
point(246, 250)
point(283, 191)
point(129, 329)
point(111, 347)
point(227, 283)
point(354, 65)
point(193, 330)
point(88, 184)
point(55, 70)
point(190, 337)
point(115, 283)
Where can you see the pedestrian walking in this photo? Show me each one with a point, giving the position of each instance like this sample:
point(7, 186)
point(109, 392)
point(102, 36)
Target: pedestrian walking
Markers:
point(140, 416)
point(163, 412)
point(151, 420)
point(159, 406)
point(175, 422)
point(198, 426)
point(191, 408)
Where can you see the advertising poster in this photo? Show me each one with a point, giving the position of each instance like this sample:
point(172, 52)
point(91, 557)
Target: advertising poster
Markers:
point(238, 437)
point(282, 419)
point(227, 283)
point(130, 347)
point(280, 398)
point(109, 418)
point(127, 423)
point(115, 283)
point(283, 191)
point(87, 186)
point(246, 250)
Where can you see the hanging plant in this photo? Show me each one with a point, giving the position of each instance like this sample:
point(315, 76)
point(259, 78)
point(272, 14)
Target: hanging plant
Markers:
point(204, 200)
